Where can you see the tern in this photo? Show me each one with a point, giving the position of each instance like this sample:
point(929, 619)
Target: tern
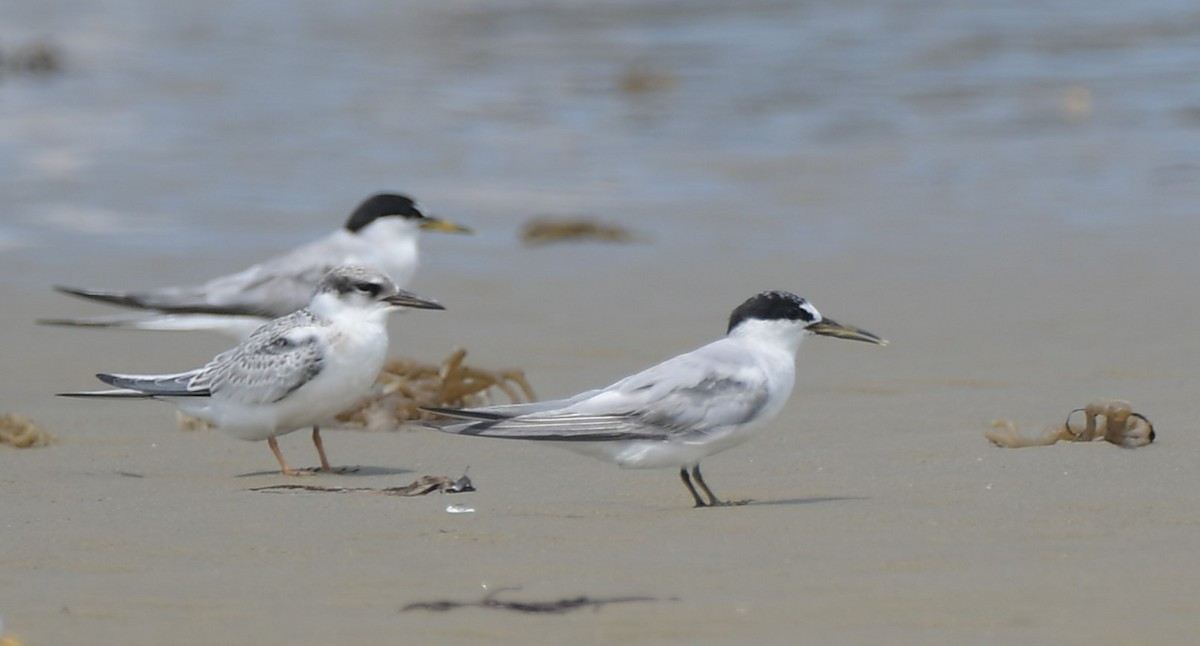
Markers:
point(294, 372)
point(682, 410)
point(382, 233)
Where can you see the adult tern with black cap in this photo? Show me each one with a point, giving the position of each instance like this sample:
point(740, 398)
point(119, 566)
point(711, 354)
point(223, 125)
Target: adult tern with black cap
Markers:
point(682, 410)
point(382, 232)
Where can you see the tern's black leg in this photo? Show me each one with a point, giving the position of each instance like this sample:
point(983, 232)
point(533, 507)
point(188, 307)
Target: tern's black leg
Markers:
point(713, 501)
point(687, 482)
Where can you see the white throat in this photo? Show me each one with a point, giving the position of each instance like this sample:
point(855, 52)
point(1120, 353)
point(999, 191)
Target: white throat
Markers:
point(782, 334)
point(390, 244)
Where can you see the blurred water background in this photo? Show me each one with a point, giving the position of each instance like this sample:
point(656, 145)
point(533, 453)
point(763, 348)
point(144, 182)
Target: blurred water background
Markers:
point(194, 138)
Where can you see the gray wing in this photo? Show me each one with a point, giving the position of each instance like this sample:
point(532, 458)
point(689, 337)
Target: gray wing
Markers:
point(505, 411)
point(273, 288)
point(276, 287)
point(685, 398)
point(274, 361)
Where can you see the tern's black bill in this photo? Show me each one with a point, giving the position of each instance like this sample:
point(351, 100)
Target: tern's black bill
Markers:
point(834, 329)
point(409, 299)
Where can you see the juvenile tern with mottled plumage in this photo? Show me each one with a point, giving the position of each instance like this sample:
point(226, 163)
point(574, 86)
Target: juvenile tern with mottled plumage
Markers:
point(682, 410)
point(382, 233)
point(296, 371)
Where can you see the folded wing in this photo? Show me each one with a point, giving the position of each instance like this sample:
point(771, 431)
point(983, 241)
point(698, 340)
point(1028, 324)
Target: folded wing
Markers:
point(688, 397)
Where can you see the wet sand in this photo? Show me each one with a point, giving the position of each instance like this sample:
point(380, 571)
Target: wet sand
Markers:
point(881, 514)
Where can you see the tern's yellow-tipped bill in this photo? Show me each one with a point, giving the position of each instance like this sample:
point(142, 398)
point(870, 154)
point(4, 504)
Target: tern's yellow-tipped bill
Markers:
point(829, 327)
point(445, 226)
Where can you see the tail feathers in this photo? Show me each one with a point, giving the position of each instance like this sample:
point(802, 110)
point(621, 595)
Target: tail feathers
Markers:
point(465, 413)
point(131, 321)
point(176, 385)
point(508, 411)
point(459, 420)
point(122, 299)
point(237, 326)
point(171, 300)
point(563, 427)
point(119, 393)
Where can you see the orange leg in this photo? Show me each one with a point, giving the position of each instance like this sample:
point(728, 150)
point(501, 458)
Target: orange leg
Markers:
point(321, 449)
point(283, 465)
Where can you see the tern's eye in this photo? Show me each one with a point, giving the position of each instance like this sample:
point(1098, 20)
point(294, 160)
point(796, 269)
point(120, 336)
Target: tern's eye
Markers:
point(370, 289)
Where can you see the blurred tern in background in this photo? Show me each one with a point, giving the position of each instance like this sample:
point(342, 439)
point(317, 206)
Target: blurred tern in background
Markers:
point(382, 233)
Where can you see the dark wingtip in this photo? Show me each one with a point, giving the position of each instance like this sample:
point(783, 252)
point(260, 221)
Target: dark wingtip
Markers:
point(121, 299)
point(73, 323)
point(462, 414)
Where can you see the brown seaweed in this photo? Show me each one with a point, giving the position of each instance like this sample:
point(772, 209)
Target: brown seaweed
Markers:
point(36, 58)
point(21, 432)
point(419, 487)
point(404, 386)
point(556, 607)
point(1113, 421)
point(542, 230)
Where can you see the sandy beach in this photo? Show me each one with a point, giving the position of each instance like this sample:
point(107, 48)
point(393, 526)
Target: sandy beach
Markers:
point(881, 513)
point(1023, 261)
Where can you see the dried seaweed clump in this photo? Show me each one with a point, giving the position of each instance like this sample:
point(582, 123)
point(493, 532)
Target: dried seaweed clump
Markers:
point(406, 385)
point(21, 432)
point(419, 487)
point(643, 77)
point(1109, 420)
point(555, 607)
point(37, 58)
point(542, 230)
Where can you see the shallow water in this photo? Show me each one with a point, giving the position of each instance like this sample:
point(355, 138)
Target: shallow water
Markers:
point(217, 134)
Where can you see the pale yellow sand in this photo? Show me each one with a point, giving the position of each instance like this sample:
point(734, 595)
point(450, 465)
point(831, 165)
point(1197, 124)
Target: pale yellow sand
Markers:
point(884, 516)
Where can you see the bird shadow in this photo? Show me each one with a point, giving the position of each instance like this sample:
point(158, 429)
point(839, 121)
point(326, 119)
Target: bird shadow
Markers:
point(358, 470)
point(803, 501)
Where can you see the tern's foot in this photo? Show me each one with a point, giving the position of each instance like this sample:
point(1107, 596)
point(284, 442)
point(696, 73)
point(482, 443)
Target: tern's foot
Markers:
point(710, 499)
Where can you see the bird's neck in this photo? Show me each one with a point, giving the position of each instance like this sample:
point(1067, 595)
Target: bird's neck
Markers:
point(389, 244)
point(327, 307)
point(784, 336)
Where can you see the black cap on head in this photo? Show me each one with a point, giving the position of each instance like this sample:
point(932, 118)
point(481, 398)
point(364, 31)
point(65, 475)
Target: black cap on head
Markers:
point(773, 306)
point(383, 205)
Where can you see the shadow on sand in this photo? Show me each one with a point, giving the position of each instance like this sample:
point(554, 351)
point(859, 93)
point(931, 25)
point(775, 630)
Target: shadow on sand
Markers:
point(339, 471)
point(803, 501)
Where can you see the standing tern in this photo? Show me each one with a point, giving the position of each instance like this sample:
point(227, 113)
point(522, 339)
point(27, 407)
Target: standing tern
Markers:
point(682, 410)
point(296, 371)
point(382, 232)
